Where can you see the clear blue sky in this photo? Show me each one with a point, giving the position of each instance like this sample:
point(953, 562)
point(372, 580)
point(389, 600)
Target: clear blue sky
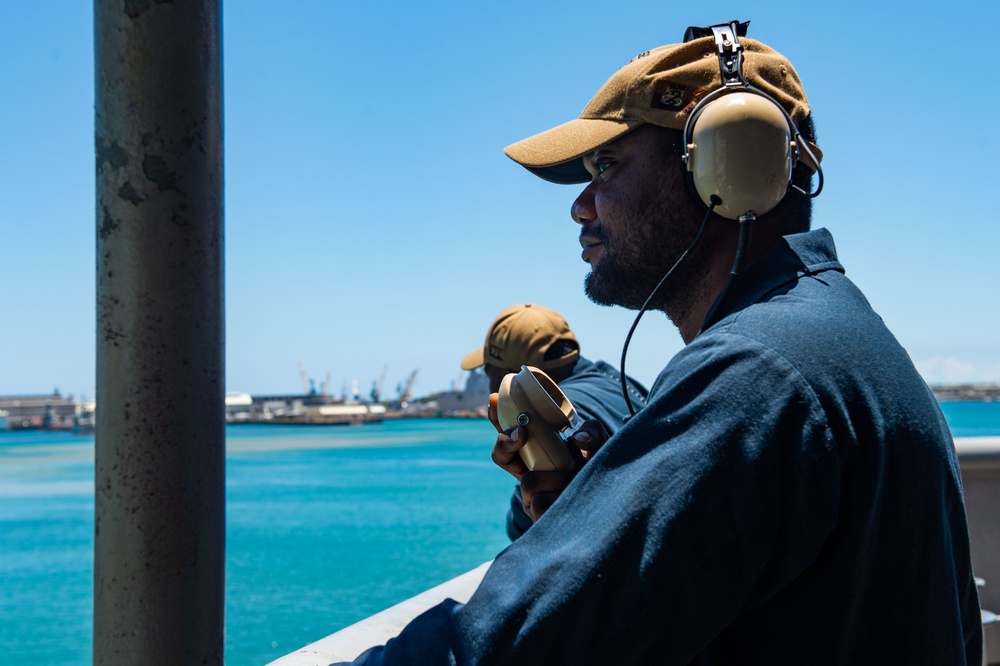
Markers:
point(372, 219)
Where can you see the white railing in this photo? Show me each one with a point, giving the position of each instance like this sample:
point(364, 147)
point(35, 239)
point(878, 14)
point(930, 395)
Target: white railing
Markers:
point(979, 458)
point(351, 641)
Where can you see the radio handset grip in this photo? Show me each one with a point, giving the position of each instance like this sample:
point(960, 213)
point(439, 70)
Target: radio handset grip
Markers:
point(531, 399)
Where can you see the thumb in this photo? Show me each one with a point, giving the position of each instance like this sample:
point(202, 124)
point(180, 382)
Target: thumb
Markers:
point(591, 436)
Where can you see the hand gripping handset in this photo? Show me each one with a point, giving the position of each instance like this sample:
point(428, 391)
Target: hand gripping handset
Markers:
point(531, 399)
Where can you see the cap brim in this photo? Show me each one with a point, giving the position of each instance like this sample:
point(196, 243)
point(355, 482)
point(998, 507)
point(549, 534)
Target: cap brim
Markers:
point(556, 154)
point(474, 359)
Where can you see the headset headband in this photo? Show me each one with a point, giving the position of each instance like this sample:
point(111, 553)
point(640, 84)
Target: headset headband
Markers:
point(730, 51)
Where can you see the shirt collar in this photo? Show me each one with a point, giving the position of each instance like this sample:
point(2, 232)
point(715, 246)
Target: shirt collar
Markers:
point(790, 258)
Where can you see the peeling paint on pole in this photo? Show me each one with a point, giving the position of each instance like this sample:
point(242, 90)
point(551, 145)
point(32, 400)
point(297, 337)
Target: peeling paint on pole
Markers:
point(160, 439)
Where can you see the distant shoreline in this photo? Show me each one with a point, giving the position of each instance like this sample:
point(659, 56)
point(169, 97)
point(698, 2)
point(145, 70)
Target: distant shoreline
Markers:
point(983, 392)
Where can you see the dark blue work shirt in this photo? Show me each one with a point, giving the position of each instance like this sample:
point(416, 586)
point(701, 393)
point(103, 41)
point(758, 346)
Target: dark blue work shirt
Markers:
point(595, 391)
point(790, 494)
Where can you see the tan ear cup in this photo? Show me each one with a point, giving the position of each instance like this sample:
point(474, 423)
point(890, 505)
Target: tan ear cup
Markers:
point(740, 149)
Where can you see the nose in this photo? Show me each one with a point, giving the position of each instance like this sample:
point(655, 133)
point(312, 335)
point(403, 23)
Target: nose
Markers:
point(583, 210)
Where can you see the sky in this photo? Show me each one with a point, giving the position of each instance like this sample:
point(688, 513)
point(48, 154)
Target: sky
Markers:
point(373, 223)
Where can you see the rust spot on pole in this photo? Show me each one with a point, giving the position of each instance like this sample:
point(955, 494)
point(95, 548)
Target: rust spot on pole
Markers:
point(136, 8)
point(156, 170)
point(108, 225)
point(114, 155)
point(128, 193)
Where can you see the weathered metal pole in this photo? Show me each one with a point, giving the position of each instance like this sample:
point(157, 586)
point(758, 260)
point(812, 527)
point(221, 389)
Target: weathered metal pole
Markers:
point(159, 554)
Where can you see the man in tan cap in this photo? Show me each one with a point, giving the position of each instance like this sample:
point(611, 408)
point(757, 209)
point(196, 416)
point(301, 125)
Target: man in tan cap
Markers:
point(527, 334)
point(531, 334)
point(790, 493)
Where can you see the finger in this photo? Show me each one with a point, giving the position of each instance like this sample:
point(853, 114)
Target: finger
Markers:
point(540, 503)
point(546, 486)
point(590, 437)
point(491, 411)
point(506, 451)
point(544, 481)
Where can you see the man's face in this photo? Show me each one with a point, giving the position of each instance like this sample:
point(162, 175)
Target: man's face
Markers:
point(496, 375)
point(637, 220)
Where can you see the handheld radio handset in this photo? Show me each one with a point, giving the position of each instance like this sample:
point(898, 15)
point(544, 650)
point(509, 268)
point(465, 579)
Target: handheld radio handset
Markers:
point(531, 399)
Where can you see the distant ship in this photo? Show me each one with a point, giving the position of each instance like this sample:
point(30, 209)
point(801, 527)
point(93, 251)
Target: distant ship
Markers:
point(300, 409)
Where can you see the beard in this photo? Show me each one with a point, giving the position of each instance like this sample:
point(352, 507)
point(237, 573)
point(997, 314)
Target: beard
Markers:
point(639, 255)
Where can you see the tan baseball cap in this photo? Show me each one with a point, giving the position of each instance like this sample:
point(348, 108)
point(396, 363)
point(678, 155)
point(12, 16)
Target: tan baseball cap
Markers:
point(659, 87)
point(520, 335)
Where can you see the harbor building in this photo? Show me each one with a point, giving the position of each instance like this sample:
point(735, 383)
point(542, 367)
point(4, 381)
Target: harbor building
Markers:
point(39, 412)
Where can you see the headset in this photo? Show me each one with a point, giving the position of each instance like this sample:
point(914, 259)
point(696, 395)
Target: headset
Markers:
point(740, 148)
point(740, 144)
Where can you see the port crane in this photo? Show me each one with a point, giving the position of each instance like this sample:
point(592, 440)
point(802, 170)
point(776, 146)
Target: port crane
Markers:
point(309, 384)
point(377, 384)
point(405, 391)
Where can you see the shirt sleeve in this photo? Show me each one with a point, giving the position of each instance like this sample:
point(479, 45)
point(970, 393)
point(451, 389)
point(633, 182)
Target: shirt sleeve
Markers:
point(706, 503)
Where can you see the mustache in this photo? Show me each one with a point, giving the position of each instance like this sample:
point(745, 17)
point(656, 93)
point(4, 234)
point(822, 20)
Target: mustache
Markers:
point(596, 232)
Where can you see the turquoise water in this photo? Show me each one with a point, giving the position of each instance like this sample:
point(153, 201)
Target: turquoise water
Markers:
point(325, 526)
point(973, 419)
